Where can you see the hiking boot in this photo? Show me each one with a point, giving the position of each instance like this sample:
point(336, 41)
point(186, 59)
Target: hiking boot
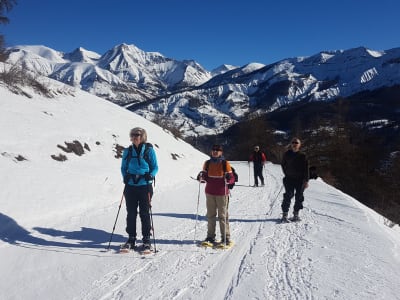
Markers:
point(210, 240)
point(130, 244)
point(146, 246)
point(226, 241)
point(296, 216)
point(284, 217)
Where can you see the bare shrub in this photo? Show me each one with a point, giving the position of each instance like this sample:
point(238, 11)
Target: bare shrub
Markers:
point(175, 156)
point(19, 157)
point(59, 157)
point(74, 147)
point(16, 76)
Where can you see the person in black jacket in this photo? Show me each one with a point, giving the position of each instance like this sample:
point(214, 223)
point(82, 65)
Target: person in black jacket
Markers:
point(295, 169)
point(258, 158)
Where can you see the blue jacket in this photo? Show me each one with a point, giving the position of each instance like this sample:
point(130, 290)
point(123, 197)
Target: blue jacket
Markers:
point(138, 165)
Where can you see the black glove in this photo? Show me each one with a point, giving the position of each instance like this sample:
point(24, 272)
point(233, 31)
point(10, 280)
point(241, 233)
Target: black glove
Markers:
point(227, 176)
point(126, 179)
point(148, 177)
point(201, 176)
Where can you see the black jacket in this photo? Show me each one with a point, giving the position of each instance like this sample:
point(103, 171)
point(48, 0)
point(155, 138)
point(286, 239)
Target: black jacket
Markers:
point(295, 165)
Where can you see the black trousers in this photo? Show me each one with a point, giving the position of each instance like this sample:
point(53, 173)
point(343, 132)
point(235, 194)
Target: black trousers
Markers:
point(293, 187)
point(138, 196)
point(258, 172)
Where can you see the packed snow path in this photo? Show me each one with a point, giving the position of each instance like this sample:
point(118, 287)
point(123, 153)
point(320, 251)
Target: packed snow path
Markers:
point(337, 251)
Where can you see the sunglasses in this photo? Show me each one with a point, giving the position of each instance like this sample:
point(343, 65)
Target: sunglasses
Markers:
point(216, 149)
point(295, 143)
point(136, 134)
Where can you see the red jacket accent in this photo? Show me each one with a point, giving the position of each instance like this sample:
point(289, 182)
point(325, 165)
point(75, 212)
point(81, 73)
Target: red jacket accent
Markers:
point(255, 157)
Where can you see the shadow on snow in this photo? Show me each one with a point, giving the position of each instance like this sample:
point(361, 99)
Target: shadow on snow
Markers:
point(13, 233)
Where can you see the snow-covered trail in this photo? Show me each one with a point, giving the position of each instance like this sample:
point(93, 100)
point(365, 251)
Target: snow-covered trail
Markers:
point(311, 259)
point(264, 251)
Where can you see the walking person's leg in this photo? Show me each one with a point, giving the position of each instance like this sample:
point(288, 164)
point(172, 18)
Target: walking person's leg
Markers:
point(223, 217)
point(287, 196)
point(299, 199)
point(255, 173)
point(144, 211)
point(211, 216)
point(262, 177)
point(131, 208)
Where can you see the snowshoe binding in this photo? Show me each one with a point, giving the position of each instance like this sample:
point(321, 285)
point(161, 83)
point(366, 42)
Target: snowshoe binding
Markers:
point(128, 246)
point(146, 249)
point(208, 243)
point(284, 218)
point(295, 217)
point(224, 244)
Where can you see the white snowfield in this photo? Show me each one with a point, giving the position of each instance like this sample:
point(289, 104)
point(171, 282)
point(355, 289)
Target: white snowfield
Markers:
point(56, 219)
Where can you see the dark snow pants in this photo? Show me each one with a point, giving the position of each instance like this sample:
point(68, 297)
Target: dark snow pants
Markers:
point(138, 196)
point(293, 187)
point(258, 172)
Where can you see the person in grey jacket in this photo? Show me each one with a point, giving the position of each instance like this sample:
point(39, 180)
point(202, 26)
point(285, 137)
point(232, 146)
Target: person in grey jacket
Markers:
point(295, 169)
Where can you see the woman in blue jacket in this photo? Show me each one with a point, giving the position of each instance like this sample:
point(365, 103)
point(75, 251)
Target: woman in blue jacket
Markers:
point(139, 167)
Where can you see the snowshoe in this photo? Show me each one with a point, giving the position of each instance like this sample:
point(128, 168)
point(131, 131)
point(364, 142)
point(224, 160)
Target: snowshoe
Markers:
point(208, 242)
point(128, 246)
point(224, 245)
point(146, 249)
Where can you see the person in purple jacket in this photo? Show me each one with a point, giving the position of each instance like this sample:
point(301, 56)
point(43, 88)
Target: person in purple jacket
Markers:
point(217, 173)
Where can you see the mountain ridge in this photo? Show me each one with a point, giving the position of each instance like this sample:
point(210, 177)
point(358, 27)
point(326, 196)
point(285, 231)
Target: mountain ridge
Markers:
point(199, 102)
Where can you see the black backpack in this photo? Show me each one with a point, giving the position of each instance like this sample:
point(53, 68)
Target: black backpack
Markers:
point(230, 185)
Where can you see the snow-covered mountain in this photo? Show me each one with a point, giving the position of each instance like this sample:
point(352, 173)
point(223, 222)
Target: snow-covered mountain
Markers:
point(124, 74)
point(56, 219)
point(227, 98)
point(201, 102)
point(222, 69)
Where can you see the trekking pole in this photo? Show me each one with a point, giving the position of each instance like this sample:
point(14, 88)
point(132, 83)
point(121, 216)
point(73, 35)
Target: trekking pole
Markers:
point(197, 214)
point(249, 173)
point(119, 208)
point(265, 169)
point(226, 210)
point(152, 224)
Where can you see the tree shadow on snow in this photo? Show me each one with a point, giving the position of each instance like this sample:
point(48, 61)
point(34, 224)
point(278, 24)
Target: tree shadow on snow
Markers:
point(13, 233)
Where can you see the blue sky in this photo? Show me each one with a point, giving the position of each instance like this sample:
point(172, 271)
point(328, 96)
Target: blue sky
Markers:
point(211, 32)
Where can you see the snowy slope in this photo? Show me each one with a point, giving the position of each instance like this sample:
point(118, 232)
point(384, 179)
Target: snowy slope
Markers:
point(56, 219)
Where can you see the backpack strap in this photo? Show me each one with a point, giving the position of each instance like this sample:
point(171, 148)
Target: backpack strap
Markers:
point(128, 158)
point(224, 166)
point(146, 157)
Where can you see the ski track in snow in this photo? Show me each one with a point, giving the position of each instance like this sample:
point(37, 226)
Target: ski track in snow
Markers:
point(172, 268)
